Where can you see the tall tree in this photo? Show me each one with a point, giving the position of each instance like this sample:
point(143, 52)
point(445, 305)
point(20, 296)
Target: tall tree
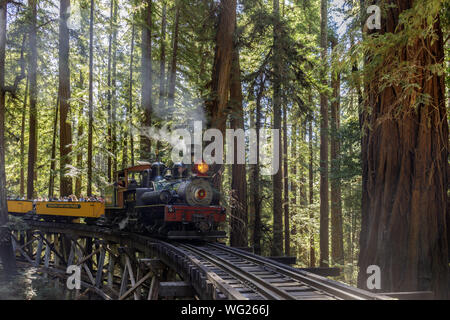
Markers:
point(65, 136)
point(337, 237)
point(277, 187)
point(172, 76)
point(239, 216)
point(22, 142)
point(162, 59)
point(287, 231)
point(6, 250)
point(220, 83)
point(91, 103)
point(405, 154)
point(324, 205)
point(312, 248)
point(51, 176)
point(146, 66)
point(216, 106)
point(130, 95)
point(32, 143)
point(255, 180)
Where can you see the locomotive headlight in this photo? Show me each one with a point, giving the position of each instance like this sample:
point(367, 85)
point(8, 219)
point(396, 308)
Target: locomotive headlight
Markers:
point(200, 194)
point(202, 168)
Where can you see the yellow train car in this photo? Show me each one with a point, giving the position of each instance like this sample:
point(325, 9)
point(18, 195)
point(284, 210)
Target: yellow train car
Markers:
point(71, 209)
point(19, 206)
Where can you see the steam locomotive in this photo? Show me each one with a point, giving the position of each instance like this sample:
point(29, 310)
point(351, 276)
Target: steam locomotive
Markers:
point(175, 203)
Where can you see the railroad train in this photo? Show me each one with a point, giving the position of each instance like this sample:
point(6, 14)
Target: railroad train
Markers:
point(174, 203)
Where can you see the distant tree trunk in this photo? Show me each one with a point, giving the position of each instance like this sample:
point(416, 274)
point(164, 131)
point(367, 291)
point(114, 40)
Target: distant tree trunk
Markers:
point(293, 141)
point(256, 199)
point(6, 251)
point(51, 178)
point(112, 162)
point(162, 59)
point(91, 100)
point(287, 229)
point(130, 95)
point(146, 65)
point(337, 236)
point(80, 132)
point(173, 65)
point(405, 168)
point(162, 74)
point(239, 216)
point(277, 246)
point(114, 89)
point(32, 144)
point(22, 142)
point(312, 249)
point(65, 144)
point(324, 205)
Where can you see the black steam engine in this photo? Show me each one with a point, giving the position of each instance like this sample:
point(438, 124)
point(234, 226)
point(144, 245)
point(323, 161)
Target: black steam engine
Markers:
point(176, 203)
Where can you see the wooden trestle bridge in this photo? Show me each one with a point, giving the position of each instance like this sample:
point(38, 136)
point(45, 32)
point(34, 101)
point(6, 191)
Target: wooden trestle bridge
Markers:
point(117, 265)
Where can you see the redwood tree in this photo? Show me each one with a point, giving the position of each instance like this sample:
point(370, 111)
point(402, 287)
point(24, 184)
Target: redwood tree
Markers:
point(405, 154)
point(238, 218)
point(324, 205)
point(32, 145)
point(65, 141)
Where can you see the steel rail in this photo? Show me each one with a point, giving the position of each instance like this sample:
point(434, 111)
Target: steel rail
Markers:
point(339, 290)
point(265, 289)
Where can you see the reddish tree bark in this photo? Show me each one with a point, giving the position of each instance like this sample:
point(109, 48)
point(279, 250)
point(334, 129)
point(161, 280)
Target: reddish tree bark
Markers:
point(277, 184)
point(32, 142)
point(239, 216)
point(405, 154)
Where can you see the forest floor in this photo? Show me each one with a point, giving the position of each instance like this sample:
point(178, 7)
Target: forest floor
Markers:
point(29, 284)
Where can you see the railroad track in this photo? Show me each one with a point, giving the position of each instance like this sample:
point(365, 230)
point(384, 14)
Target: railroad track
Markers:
point(216, 271)
point(246, 276)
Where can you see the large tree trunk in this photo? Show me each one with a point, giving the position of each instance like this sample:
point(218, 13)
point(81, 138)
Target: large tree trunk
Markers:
point(91, 99)
point(239, 217)
point(6, 250)
point(324, 205)
point(405, 154)
point(337, 237)
point(216, 106)
point(65, 141)
point(114, 89)
point(32, 145)
point(146, 66)
point(277, 187)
